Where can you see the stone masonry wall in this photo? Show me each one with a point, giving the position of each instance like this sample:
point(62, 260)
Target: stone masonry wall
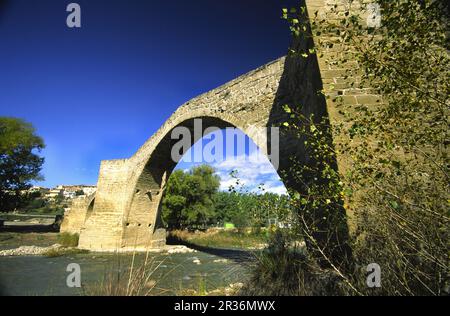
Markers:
point(75, 218)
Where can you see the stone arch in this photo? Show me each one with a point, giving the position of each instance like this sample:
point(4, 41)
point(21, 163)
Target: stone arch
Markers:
point(255, 99)
point(124, 185)
point(142, 218)
point(127, 188)
point(90, 207)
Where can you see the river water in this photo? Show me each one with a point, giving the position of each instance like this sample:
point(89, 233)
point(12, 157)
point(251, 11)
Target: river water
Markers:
point(166, 274)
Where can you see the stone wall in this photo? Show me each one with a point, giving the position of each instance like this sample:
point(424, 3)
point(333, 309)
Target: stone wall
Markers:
point(75, 218)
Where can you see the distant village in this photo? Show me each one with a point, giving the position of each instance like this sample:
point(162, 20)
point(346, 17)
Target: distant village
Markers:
point(57, 200)
point(66, 192)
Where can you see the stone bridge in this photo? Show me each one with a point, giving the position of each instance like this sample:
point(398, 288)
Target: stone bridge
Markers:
point(125, 212)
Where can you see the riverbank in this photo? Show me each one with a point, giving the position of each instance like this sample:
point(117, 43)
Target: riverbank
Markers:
point(221, 238)
point(52, 244)
point(12, 240)
point(30, 251)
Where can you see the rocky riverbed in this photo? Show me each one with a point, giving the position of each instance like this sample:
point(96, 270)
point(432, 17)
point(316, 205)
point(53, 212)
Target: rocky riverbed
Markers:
point(28, 251)
point(40, 251)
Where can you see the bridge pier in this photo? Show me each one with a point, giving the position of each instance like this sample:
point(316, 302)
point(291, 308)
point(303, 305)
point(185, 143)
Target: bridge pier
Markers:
point(103, 230)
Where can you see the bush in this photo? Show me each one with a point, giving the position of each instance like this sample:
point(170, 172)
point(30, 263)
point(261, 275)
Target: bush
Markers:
point(287, 269)
point(68, 240)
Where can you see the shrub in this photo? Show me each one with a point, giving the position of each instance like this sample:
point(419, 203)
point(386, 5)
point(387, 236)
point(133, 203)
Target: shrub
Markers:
point(68, 240)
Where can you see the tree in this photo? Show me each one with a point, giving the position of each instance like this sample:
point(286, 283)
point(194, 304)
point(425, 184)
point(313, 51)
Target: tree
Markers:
point(192, 201)
point(19, 160)
point(250, 208)
point(188, 202)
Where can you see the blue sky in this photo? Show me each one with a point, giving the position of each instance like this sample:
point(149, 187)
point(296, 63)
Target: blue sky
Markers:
point(249, 165)
point(100, 92)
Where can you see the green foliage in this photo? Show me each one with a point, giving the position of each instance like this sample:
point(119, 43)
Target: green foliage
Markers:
point(286, 270)
point(17, 134)
point(318, 202)
point(19, 162)
point(402, 165)
point(188, 202)
point(228, 210)
point(35, 203)
point(192, 201)
point(68, 240)
point(252, 209)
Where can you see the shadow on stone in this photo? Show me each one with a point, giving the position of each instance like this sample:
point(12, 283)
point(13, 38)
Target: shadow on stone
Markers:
point(29, 229)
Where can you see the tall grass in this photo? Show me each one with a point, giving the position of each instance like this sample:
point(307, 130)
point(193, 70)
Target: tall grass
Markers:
point(287, 269)
point(134, 277)
point(131, 278)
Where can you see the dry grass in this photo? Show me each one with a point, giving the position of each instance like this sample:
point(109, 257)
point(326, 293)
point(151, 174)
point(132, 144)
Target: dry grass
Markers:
point(59, 252)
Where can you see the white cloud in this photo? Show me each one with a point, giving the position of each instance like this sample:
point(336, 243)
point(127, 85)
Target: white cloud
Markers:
point(252, 170)
point(276, 187)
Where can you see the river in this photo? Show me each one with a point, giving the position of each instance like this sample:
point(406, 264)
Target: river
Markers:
point(175, 274)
